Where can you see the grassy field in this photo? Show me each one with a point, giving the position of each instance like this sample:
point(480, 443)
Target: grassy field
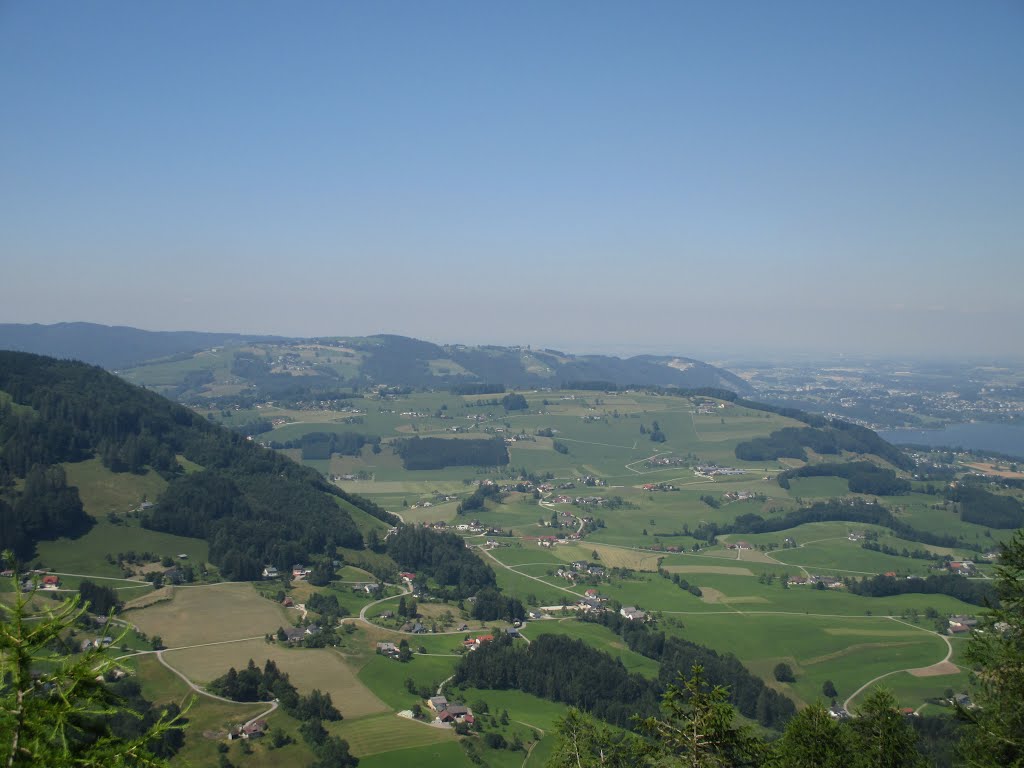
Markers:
point(386, 677)
point(103, 492)
point(848, 651)
point(388, 733)
point(210, 614)
point(439, 755)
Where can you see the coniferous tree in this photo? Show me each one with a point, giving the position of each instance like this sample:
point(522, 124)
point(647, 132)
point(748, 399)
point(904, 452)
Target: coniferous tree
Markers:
point(995, 736)
point(55, 708)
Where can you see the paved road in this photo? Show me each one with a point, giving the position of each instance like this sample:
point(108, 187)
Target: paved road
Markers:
point(869, 683)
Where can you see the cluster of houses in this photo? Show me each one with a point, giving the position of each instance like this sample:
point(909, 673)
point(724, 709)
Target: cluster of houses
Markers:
point(708, 408)
point(449, 712)
point(665, 461)
point(738, 495)
point(100, 642)
point(711, 470)
point(580, 568)
point(962, 568)
point(958, 624)
point(632, 613)
point(35, 580)
point(828, 582)
point(473, 643)
point(660, 487)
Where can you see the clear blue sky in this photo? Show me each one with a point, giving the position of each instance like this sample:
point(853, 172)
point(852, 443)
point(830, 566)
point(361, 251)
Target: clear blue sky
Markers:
point(693, 177)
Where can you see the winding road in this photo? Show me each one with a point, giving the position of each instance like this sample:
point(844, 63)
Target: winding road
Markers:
point(869, 683)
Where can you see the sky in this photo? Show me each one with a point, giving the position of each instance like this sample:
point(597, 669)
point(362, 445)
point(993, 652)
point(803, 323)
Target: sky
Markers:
point(698, 178)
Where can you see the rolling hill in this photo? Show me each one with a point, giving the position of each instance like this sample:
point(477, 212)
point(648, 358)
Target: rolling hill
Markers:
point(187, 364)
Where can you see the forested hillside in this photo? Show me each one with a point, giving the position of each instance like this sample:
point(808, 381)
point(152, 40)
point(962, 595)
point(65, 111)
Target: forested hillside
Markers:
point(251, 504)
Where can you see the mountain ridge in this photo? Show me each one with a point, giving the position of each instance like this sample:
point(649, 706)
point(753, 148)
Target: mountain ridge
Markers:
point(387, 359)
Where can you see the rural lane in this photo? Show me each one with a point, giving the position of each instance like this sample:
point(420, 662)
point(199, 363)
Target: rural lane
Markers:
point(869, 683)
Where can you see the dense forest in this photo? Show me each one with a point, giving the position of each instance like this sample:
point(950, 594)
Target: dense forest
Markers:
point(985, 508)
point(561, 669)
point(442, 557)
point(252, 505)
point(438, 452)
point(863, 477)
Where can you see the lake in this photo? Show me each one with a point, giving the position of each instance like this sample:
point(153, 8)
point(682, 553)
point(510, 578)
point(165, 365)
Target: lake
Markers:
point(980, 436)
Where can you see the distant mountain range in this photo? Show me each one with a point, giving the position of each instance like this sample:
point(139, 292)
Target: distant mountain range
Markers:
point(271, 365)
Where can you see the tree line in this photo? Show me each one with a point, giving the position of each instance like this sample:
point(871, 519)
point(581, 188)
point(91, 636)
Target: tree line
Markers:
point(980, 593)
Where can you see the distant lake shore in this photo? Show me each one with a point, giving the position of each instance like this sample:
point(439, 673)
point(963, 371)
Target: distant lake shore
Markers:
point(977, 436)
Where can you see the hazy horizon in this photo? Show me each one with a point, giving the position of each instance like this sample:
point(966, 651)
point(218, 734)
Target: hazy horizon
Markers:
point(705, 180)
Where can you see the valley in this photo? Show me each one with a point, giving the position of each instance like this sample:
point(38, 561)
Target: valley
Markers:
point(607, 504)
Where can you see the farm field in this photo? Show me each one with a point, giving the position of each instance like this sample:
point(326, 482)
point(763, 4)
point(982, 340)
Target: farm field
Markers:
point(212, 613)
point(308, 669)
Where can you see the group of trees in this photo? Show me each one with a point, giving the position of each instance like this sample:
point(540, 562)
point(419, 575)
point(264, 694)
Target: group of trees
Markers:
point(680, 582)
point(514, 402)
point(99, 600)
point(475, 501)
point(321, 445)
point(46, 508)
point(443, 557)
point(438, 452)
point(473, 388)
point(862, 476)
point(327, 606)
point(255, 684)
point(64, 710)
point(491, 605)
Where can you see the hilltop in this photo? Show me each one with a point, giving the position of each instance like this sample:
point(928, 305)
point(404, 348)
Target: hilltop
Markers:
point(250, 504)
point(189, 364)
